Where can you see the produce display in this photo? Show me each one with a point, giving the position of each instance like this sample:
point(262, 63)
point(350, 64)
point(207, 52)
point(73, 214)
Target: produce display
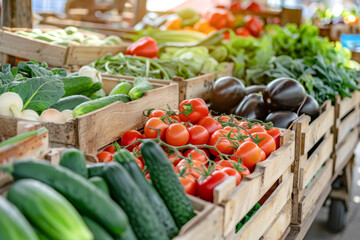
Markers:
point(71, 35)
point(32, 91)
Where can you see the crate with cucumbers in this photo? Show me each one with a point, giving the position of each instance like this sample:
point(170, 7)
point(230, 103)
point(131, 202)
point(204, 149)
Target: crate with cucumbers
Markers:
point(77, 107)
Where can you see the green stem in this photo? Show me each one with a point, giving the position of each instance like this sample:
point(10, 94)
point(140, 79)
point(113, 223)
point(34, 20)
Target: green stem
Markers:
point(23, 136)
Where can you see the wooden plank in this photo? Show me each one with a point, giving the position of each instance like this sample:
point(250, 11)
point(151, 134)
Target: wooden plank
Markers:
point(349, 123)
point(20, 46)
point(265, 216)
point(344, 152)
point(346, 105)
point(106, 125)
point(17, 13)
point(280, 225)
point(313, 192)
point(254, 186)
point(197, 87)
point(316, 160)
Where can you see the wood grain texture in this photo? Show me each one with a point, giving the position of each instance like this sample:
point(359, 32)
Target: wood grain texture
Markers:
point(345, 126)
point(345, 151)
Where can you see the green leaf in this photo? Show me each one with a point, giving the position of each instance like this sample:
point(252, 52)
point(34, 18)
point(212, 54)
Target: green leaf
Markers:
point(39, 93)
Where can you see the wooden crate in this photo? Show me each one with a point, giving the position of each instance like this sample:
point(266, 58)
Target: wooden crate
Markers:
point(14, 45)
point(92, 131)
point(227, 70)
point(313, 150)
point(206, 225)
point(238, 201)
point(196, 87)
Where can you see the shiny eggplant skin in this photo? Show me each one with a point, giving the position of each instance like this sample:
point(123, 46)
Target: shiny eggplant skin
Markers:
point(284, 94)
point(310, 107)
point(252, 106)
point(227, 93)
point(254, 89)
point(281, 119)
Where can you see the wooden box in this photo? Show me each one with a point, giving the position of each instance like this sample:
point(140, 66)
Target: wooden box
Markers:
point(14, 45)
point(313, 164)
point(92, 131)
point(237, 201)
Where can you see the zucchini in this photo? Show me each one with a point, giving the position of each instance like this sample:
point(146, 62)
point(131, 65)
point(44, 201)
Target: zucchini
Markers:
point(100, 183)
point(121, 88)
point(128, 195)
point(166, 182)
point(74, 85)
point(93, 105)
point(98, 232)
point(74, 160)
point(95, 169)
point(94, 88)
point(70, 102)
point(141, 85)
point(98, 94)
point(13, 225)
point(48, 210)
point(127, 160)
point(76, 189)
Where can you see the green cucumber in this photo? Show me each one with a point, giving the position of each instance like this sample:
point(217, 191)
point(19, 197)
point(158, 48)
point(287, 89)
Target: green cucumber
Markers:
point(127, 235)
point(74, 85)
point(70, 102)
point(128, 195)
point(93, 105)
point(166, 182)
point(127, 160)
point(98, 94)
point(76, 189)
point(95, 170)
point(100, 183)
point(74, 160)
point(48, 210)
point(94, 88)
point(13, 225)
point(41, 235)
point(121, 88)
point(98, 232)
point(141, 85)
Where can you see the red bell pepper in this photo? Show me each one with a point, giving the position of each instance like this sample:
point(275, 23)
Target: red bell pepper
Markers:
point(255, 26)
point(220, 18)
point(193, 110)
point(243, 32)
point(236, 7)
point(255, 7)
point(144, 47)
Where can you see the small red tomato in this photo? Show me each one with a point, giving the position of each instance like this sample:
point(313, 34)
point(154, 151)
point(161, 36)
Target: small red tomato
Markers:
point(198, 135)
point(210, 124)
point(275, 133)
point(154, 126)
point(233, 172)
point(157, 113)
point(223, 144)
point(189, 184)
point(192, 110)
point(130, 137)
point(194, 168)
point(111, 149)
point(196, 155)
point(140, 163)
point(105, 156)
point(250, 154)
point(246, 171)
point(265, 142)
point(174, 158)
point(177, 135)
point(205, 186)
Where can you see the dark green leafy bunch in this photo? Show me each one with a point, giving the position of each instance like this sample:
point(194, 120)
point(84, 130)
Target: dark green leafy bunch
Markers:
point(121, 64)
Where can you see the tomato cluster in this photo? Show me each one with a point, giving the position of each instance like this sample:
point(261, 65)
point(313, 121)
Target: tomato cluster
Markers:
point(205, 150)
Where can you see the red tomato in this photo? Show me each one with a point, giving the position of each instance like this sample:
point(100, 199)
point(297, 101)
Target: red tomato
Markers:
point(246, 171)
point(224, 118)
point(233, 172)
point(275, 133)
point(196, 155)
point(226, 163)
point(177, 135)
point(224, 145)
point(250, 154)
point(105, 156)
point(226, 35)
point(267, 144)
point(243, 32)
point(205, 186)
point(210, 124)
point(198, 135)
point(254, 7)
point(140, 163)
point(256, 128)
point(193, 110)
point(111, 149)
point(173, 158)
point(255, 26)
point(189, 184)
point(152, 124)
point(157, 113)
point(194, 168)
point(147, 176)
point(129, 137)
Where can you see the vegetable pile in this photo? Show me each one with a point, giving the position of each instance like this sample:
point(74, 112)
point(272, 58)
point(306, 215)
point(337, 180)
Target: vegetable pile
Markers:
point(32, 91)
point(203, 150)
point(131, 208)
point(71, 35)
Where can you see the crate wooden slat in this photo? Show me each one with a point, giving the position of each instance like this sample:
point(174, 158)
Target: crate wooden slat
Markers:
point(313, 151)
point(237, 201)
point(267, 215)
point(94, 130)
point(55, 55)
point(227, 70)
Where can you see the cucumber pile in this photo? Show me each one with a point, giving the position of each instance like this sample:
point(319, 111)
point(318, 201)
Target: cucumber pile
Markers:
point(106, 201)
